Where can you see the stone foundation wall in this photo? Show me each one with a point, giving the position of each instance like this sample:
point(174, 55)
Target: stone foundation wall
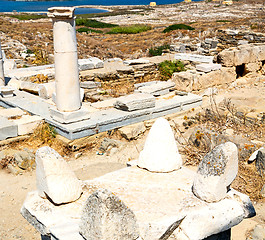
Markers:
point(123, 80)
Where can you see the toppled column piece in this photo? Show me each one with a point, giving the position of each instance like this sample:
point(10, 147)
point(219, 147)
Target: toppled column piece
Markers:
point(216, 172)
point(2, 76)
point(55, 179)
point(106, 217)
point(136, 101)
point(160, 153)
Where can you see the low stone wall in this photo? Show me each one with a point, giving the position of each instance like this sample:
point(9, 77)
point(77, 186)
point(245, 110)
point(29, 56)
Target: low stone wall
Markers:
point(124, 80)
point(192, 80)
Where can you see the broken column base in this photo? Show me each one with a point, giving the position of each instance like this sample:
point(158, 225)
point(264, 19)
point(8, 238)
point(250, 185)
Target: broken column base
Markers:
point(69, 117)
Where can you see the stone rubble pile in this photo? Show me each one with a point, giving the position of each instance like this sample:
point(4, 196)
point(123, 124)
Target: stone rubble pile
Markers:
point(160, 201)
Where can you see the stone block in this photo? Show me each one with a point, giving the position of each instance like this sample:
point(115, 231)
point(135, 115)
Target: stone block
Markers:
point(144, 84)
point(242, 42)
point(11, 112)
point(9, 64)
point(7, 129)
point(214, 78)
point(90, 84)
point(132, 131)
point(216, 172)
point(46, 90)
point(208, 67)
point(54, 177)
point(14, 83)
point(194, 57)
point(90, 63)
point(106, 217)
point(160, 153)
point(69, 117)
point(157, 88)
point(226, 58)
point(261, 52)
point(6, 91)
point(97, 62)
point(136, 61)
point(184, 80)
point(242, 56)
point(253, 67)
point(26, 124)
point(136, 101)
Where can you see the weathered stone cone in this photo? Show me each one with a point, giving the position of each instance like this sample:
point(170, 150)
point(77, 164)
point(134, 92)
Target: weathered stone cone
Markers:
point(55, 179)
point(216, 172)
point(106, 217)
point(160, 153)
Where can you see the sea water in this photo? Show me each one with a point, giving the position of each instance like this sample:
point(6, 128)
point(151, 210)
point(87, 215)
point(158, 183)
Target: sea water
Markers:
point(40, 6)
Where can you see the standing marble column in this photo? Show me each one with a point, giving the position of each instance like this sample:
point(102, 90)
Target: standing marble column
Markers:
point(68, 102)
point(65, 59)
point(2, 75)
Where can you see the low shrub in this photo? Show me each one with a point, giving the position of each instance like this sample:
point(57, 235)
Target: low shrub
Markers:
point(167, 68)
point(133, 29)
point(177, 26)
point(85, 29)
point(157, 51)
point(93, 23)
point(28, 16)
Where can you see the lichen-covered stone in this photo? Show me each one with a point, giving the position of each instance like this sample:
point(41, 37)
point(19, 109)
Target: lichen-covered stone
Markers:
point(54, 177)
point(216, 172)
point(160, 153)
point(106, 217)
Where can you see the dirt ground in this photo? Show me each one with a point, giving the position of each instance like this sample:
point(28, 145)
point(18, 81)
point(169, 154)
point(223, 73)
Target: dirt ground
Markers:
point(13, 189)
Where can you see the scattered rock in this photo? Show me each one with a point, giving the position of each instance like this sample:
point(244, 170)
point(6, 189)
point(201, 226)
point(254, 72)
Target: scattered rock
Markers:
point(216, 172)
point(160, 153)
point(105, 217)
point(24, 160)
point(13, 169)
point(210, 92)
point(258, 233)
point(132, 131)
point(55, 180)
point(108, 143)
point(262, 192)
point(260, 162)
point(203, 138)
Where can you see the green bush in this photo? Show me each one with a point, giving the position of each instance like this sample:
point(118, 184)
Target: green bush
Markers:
point(167, 68)
point(85, 29)
point(93, 23)
point(28, 16)
point(177, 26)
point(157, 51)
point(133, 29)
point(223, 21)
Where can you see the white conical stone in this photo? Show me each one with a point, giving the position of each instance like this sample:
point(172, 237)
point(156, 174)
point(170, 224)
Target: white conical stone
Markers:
point(54, 177)
point(216, 172)
point(160, 153)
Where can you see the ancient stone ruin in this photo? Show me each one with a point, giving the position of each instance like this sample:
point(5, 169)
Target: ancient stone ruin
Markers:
point(160, 200)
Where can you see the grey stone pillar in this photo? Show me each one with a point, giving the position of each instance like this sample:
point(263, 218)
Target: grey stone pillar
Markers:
point(2, 75)
point(68, 102)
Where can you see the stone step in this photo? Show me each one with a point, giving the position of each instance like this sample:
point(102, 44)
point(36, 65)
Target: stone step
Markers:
point(7, 129)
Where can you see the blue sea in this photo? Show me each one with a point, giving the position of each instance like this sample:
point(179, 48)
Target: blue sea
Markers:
point(40, 6)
